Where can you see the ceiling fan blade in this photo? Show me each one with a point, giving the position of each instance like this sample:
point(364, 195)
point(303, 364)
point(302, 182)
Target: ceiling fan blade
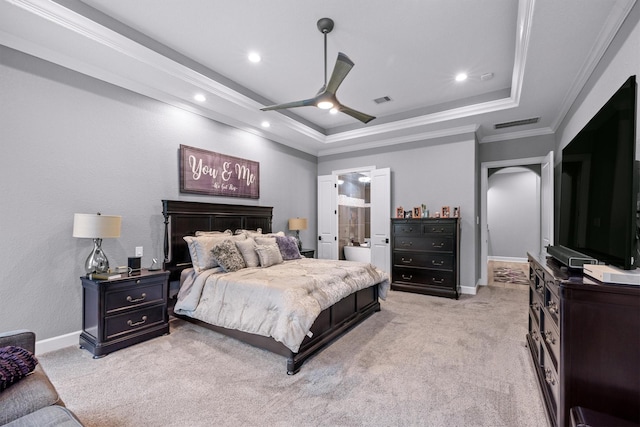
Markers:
point(340, 71)
point(303, 103)
point(364, 118)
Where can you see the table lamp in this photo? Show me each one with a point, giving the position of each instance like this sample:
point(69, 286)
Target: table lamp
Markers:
point(96, 227)
point(297, 224)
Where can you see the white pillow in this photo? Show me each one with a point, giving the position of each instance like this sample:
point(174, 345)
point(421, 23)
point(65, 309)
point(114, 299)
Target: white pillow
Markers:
point(200, 249)
point(269, 255)
point(213, 233)
point(247, 249)
point(265, 240)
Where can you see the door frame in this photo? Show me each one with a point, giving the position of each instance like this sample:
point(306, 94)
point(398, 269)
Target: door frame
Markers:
point(484, 187)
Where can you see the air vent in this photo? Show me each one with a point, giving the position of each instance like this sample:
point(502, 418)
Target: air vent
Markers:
point(516, 123)
point(382, 100)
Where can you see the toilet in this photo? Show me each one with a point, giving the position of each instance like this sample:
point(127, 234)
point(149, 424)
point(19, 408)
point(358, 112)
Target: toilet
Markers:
point(357, 253)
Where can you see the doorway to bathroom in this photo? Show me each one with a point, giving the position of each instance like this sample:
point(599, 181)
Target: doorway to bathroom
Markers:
point(354, 216)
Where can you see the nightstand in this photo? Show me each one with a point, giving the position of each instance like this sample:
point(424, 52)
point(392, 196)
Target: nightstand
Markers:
point(121, 312)
point(308, 253)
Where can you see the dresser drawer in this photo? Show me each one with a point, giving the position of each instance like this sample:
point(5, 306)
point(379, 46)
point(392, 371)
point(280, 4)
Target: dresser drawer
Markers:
point(424, 259)
point(426, 243)
point(438, 228)
point(551, 338)
point(133, 321)
point(406, 229)
point(134, 296)
point(423, 276)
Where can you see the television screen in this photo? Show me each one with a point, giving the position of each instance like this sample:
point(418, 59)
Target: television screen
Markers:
point(598, 190)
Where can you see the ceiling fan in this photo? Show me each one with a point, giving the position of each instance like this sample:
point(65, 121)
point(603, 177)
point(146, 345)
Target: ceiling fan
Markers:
point(326, 96)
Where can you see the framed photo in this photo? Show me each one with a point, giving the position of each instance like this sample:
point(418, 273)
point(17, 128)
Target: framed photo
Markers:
point(417, 212)
point(456, 212)
point(446, 212)
point(408, 214)
point(400, 212)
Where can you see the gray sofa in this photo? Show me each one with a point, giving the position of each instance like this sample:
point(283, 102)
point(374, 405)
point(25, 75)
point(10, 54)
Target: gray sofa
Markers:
point(33, 400)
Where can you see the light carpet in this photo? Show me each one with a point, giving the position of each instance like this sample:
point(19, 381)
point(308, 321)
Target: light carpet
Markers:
point(421, 361)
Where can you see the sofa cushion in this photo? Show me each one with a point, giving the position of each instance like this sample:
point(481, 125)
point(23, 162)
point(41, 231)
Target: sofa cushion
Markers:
point(33, 392)
point(50, 416)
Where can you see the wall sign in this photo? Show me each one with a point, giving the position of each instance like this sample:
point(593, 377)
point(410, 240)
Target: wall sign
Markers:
point(215, 174)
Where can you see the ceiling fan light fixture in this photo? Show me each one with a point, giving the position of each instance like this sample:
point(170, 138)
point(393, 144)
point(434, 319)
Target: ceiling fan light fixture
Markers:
point(334, 110)
point(461, 77)
point(324, 105)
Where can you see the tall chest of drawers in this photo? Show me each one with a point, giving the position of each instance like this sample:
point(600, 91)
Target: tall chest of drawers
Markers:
point(121, 312)
point(425, 256)
point(584, 342)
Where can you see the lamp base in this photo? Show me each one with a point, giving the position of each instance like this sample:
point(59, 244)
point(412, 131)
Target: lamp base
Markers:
point(97, 261)
point(298, 239)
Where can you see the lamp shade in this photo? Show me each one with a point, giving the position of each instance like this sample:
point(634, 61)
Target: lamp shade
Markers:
point(297, 223)
point(94, 226)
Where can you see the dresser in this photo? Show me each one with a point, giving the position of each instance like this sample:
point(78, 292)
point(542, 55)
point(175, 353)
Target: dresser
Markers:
point(425, 256)
point(121, 312)
point(584, 342)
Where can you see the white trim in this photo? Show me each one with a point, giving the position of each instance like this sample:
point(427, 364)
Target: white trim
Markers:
point(507, 259)
point(469, 290)
point(57, 343)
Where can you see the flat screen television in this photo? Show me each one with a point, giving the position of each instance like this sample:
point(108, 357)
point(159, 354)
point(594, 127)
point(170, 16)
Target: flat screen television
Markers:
point(599, 184)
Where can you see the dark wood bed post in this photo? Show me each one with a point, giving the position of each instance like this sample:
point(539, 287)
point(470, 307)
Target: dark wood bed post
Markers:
point(166, 233)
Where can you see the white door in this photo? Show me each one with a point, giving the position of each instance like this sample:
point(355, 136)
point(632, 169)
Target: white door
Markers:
point(546, 202)
point(327, 217)
point(380, 218)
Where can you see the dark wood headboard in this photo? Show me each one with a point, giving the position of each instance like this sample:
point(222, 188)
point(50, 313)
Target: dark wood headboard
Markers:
point(185, 218)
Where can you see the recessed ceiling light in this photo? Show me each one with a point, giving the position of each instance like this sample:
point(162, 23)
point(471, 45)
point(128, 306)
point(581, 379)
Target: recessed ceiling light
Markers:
point(266, 124)
point(199, 97)
point(461, 77)
point(254, 57)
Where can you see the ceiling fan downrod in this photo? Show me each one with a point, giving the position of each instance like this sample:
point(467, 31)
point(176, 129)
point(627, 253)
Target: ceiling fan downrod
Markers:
point(325, 25)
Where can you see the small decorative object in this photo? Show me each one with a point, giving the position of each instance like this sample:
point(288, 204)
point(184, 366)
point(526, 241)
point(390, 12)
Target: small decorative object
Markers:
point(425, 212)
point(134, 264)
point(417, 212)
point(436, 214)
point(445, 212)
point(96, 227)
point(297, 224)
point(408, 214)
point(400, 212)
point(154, 265)
point(456, 212)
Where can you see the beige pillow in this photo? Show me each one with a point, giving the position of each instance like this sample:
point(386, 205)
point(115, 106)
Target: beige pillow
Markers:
point(265, 240)
point(200, 249)
point(247, 249)
point(269, 255)
point(213, 233)
point(249, 233)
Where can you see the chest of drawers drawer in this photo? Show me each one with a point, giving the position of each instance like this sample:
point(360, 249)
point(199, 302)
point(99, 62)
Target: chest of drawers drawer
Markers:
point(423, 276)
point(423, 259)
point(424, 243)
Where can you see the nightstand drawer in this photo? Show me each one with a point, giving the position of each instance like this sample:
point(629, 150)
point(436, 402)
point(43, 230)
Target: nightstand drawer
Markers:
point(421, 259)
point(134, 296)
point(134, 320)
point(423, 276)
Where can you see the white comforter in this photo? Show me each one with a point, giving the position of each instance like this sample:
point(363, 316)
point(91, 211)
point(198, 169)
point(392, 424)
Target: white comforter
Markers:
point(281, 301)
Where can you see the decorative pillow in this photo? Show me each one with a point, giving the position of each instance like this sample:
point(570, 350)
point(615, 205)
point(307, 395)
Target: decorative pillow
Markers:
point(227, 256)
point(265, 240)
point(15, 364)
point(279, 233)
point(213, 233)
point(269, 255)
point(249, 233)
point(200, 249)
point(247, 249)
point(288, 246)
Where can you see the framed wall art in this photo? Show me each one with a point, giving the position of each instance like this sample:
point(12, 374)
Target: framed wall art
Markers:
point(215, 174)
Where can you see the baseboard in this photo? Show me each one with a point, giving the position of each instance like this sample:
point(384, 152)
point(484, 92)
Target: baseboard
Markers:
point(507, 259)
point(469, 290)
point(56, 343)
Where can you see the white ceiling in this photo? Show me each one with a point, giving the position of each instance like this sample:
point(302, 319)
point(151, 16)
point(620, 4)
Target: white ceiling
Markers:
point(540, 53)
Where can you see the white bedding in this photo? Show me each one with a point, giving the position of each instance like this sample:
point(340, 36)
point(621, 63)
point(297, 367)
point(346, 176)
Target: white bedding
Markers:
point(281, 301)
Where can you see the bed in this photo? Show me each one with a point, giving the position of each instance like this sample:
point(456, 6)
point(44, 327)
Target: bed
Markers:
point(336, 311)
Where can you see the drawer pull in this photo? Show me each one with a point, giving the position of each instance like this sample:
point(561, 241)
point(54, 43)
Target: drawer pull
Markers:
point(130, 323)
point(438, 245)
point(553, 307)
point(438, 281)
point(131, 299)
point(437, 263)
point(437, 230)
point(406, 243)
point(548, 377)
point(405, 261)
point(407, 277)
point(548, 337)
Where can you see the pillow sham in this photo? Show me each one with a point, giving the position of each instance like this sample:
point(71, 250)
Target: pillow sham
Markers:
point(15, 364)
point(247, 249)
point(200, 249)
point(288, 246)
point(269, 255)
point(227, 256)
point(214, 233)
point(249, 233)
point(265, 240)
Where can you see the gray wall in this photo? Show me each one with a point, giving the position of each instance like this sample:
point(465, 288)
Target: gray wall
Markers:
point(513, 213)
point(74, 144)
point(437, 173)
